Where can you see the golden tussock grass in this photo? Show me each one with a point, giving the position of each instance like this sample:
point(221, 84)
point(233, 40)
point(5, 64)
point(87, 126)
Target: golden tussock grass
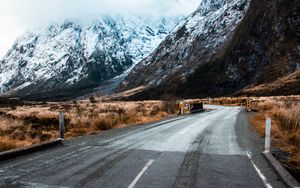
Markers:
point(25, 125)
point(7, 145)
point(227, 101)
point(285, 114)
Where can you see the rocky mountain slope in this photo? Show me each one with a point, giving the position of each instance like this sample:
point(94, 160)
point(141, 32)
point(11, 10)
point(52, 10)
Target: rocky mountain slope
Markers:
point(72, 58)
point(225, 47)
point(200, 39)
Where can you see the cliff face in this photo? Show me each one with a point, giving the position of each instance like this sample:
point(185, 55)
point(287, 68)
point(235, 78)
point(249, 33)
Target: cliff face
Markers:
point(197, 41)
point(263, 48)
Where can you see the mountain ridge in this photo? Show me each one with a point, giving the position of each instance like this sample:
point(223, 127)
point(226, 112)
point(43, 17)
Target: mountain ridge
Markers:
point(62, 59)
point(199, 40)
point(264, 48)
point(224, 48)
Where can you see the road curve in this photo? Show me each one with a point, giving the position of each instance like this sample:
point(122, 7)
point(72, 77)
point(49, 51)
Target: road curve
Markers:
point(210, 149)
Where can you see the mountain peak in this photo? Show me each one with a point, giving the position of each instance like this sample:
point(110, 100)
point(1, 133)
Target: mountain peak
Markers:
point(76, 56)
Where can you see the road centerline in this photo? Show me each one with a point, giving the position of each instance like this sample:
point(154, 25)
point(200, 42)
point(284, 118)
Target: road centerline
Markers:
point(31, 184)
point(184, 131)
point(134, 182)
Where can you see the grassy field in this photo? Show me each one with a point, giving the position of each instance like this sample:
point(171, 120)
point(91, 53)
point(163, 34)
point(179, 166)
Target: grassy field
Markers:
point(29, 124)
point(285, 114)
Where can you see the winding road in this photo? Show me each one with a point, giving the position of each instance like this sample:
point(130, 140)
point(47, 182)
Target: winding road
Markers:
point(216, 148)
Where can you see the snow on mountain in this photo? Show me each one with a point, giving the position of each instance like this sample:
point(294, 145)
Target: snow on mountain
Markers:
point(74, 56)
point(193, 43)
point(226, 47)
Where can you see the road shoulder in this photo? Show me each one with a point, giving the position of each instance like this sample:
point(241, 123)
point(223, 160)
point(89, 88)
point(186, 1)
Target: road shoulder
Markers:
point(252, 143)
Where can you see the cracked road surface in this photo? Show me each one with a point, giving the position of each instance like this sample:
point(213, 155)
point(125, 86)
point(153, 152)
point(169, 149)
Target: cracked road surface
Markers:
point(211, 149)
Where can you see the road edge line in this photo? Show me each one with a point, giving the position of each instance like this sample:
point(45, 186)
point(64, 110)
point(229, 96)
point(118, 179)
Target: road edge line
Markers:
point(11, 154)
point(258, 171)
point(287, 178)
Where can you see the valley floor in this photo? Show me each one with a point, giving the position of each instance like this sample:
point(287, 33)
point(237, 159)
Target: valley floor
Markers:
point(23, 125)
point(210, 149)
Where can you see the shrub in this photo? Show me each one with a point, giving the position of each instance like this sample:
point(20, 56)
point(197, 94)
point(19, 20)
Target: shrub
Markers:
point(171, 106)
point(288, 117)
point(45, 137)
point(43, 123)
point(78, 109)
point(103, 124)
point(92, 100)
point(6, 145)
point(18, 135)
point(154, 111)
point(141, 108)
point(13, 107)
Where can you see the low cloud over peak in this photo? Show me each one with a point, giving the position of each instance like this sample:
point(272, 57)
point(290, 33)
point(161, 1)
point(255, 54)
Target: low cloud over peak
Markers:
point(16, 16)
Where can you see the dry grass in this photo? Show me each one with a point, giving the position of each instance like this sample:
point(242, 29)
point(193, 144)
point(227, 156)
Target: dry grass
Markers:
point(285, 114)
point(227, 101)
point(6, 145)
point(26, 125)
point(284, 85)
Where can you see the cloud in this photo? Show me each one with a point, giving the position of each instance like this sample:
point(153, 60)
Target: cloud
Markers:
point(16, 16)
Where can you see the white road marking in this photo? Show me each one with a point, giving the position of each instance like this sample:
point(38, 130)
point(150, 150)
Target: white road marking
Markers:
point(85, 148)
point(38, 185)
point(184, 131)
point(261, 175)
point(134, 182)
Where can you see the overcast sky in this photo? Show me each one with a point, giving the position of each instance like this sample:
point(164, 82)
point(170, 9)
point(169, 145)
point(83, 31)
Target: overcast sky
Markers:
point(17, 16)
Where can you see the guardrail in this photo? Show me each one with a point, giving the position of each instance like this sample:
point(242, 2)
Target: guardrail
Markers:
point(187, 107)
point(197, 107)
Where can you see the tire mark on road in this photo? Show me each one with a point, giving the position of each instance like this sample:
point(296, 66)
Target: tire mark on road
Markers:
point(100, 167)
point(187, 175)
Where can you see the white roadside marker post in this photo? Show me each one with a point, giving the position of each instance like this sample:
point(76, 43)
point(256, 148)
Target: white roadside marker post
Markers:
point(61, 125)
point(268, 134)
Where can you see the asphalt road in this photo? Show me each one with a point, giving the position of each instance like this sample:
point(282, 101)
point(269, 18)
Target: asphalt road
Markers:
point(210, 149)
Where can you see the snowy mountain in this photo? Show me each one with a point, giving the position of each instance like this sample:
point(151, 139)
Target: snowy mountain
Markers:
point(69, 58)
point(227, 47)
point(205, 34)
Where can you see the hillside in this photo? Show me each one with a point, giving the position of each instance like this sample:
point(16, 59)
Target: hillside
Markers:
point(260, 44)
